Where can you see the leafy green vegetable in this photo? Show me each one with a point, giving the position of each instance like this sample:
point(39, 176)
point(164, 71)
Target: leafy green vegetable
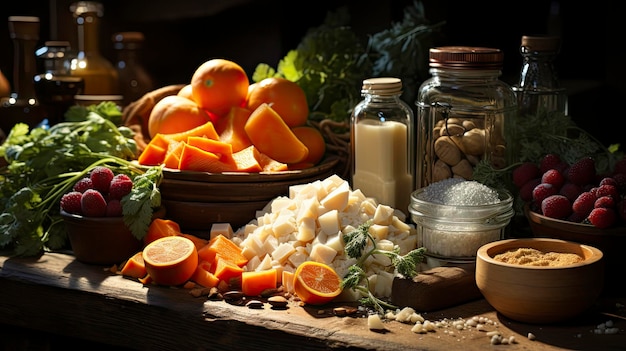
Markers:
point(356, 242)
point(331, 61)
point(44, 163)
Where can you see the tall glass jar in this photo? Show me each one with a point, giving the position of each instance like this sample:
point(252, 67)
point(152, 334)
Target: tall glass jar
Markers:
point(22, 104)
point(55, 87)
point(382, 130)
point(464, 114)
point(538, 89)
point(135, 81)
point(97, 71)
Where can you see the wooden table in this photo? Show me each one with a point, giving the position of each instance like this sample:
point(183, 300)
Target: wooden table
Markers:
point(55, 293)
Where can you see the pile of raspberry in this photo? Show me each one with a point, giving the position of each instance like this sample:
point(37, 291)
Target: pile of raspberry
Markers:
point(98, 194)
point(576, 192)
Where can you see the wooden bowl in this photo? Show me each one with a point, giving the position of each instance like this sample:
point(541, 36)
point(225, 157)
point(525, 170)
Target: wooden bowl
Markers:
point(102, 240)
point(196, 200)
point(610, 241)
point(540, 294)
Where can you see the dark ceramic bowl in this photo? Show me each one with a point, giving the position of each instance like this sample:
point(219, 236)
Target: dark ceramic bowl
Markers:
point(102, 240)
point(610, 241)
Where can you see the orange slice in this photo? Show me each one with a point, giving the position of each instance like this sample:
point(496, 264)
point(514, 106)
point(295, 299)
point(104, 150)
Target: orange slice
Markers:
point(316, 283)
point(171, 260)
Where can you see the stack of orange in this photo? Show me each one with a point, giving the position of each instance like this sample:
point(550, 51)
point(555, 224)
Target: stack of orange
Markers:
point(253, 127)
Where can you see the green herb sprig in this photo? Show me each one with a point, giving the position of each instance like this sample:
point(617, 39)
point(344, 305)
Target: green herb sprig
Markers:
point(356, 242)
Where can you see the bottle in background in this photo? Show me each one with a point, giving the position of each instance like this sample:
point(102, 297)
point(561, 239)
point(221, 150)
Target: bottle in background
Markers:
point(55, 86)
point(538, 89)
point(383, 143)
point(135, 81)
point(98, 73)
point(22, 104)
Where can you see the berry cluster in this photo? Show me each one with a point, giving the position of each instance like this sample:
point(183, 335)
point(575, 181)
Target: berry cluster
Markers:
point(99, 194)
point(575, 192)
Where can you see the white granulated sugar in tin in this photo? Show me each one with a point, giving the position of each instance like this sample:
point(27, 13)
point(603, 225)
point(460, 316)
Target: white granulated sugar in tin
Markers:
point(460, 192)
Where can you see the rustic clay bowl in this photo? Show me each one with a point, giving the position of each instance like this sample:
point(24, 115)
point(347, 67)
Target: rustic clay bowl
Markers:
point(610, 241)
point(102, 240)
point(196, 200)
point(540, 294)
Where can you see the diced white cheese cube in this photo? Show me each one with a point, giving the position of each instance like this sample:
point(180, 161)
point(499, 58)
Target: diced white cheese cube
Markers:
point(323, 253)
point(306, 229)
point(337, 199)
point(221, 229)
point(329, 222)
point(282, 252)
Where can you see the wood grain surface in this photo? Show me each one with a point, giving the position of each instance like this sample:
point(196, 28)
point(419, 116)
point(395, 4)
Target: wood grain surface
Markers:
point(55, 293)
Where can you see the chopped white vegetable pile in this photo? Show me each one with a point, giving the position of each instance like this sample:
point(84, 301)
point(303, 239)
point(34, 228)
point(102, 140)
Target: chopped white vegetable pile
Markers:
point(308, 225)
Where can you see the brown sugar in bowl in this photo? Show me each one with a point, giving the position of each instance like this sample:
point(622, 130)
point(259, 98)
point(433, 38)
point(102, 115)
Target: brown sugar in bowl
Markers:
point(540, 294)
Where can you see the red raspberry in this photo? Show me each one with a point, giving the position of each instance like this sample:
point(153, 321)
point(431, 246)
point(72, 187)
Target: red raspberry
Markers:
point(120, 186)
point(70, 202)
point(83, 185)
point(114, 208)
point(556, 206)
point(584, 203)
point(570, 191)
point(524, 173)
point(602, 217)
point(93, 203)
point(574, 217)
point(608, 190)
point(101, 178)
point(554, 177)
point(620, 179)
point(582, 172)
point(542, 191)
point(608, 181)
point(549, 161)
point(526, 191)
point(604, 201)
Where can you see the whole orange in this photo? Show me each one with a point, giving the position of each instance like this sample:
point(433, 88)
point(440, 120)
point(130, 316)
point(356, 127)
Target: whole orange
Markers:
point(313, 139)
point(174, 114)
point(219, 84)
point(286, 98)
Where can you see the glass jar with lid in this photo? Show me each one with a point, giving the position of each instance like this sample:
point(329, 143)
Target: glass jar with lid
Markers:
point(382, 141)
point(464, 114)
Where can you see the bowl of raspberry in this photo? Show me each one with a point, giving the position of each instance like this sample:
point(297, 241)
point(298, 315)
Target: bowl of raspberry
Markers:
point(93, 217)
point(575, 202)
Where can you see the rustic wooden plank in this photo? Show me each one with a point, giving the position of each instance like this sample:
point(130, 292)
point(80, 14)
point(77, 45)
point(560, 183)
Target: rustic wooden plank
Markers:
point(57, 294)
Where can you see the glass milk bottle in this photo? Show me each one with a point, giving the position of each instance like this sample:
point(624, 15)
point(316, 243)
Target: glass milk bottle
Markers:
point(465, 114)
point(382, 141)
point(98, 73)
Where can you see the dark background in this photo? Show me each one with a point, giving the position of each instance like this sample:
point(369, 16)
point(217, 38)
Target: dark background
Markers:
point(182, 34)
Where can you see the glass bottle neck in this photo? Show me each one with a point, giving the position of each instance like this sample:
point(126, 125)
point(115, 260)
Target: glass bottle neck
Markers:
point(88, 35)
point(24, 68)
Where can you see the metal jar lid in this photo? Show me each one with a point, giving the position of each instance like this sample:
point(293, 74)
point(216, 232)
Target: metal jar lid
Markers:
point(382, 86)
point(466, 57)
point(540, 43)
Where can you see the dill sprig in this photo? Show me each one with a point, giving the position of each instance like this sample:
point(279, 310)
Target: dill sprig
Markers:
point(360, 240)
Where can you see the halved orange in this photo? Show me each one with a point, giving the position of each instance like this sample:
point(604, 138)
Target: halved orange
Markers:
point(316, 283)
point(171, 260)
